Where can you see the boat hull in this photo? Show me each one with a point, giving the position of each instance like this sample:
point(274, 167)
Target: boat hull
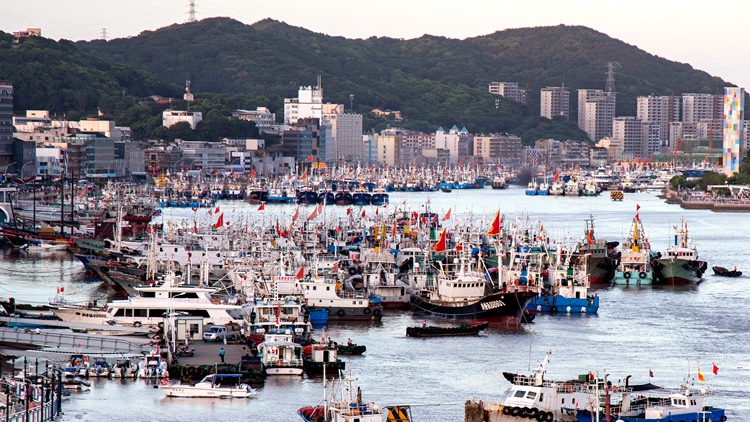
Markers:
point(677, 272)
point(187, 391)
point(628, 278)
point(564, 305)
point(284, 370)
point(374, 312)
point(505, 308)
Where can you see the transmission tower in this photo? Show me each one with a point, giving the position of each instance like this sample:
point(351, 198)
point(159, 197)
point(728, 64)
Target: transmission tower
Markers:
point(191, 11)
point(610, 87)
point(104, 34)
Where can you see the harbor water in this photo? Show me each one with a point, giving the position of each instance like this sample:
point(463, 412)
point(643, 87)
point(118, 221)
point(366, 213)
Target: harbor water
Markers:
point(668, 331)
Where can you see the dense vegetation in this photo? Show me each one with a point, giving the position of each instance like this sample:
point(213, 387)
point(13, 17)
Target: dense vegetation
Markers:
point(434, 81)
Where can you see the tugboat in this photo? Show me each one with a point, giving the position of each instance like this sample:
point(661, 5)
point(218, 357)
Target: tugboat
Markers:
point(680, 265)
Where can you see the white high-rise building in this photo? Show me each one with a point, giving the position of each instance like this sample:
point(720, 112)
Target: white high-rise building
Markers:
point(309, 103)
point(628, 131)
point(448, 141)
point(555, 101)
point(346, 130)
point(659, 111)
point(599, 113)
point(508, 90)
point(583, 96)
point(696, 107)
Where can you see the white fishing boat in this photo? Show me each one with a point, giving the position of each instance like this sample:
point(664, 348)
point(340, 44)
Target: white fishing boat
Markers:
point(635, 258)
point(223, 386)
point(124, 368)
point(279, 355)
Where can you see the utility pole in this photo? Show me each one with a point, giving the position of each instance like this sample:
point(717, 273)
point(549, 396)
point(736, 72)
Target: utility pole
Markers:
point(191, 11)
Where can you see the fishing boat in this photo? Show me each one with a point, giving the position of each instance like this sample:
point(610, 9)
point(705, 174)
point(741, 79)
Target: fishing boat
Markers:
point(468, 295)
point(592, 397)
point(224, 386)
point(351, 349)
point(566, 287)
point(347, 406)
point(279, 355)
point(124, 368)
point(601, 262)
point(680, 264)
point(635, 258)
point(724, 272)
point(319, 355)
point(461, 330)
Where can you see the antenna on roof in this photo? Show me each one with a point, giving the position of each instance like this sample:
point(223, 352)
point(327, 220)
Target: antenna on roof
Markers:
point(188, 95)
point(191, 11)
point(320, 82)
point(610, 87)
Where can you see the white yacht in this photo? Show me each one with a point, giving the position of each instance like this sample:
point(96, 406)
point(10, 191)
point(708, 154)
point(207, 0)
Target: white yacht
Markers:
point(212, 386)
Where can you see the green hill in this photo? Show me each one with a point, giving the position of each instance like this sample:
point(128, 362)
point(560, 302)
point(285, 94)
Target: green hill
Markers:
point(56, 76)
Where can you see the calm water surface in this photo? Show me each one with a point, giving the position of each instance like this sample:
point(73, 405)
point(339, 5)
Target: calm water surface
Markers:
point(665, 330)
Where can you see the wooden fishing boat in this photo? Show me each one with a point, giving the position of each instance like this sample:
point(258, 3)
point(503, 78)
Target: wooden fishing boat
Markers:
point(461, 330)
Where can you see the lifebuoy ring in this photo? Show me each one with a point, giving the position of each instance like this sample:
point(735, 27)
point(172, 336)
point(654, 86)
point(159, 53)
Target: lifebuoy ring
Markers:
point(367, 311)
point(137, 324)
point(615, 389)
point(586, 385)
point(164, 381)
point(215, 301)
point(377, 313)
point(570, 389)
point(341, 313)
point(626, 274)
point(150, 343)
point(642, 274)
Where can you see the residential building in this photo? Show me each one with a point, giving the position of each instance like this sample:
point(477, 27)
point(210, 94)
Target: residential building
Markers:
point(498, 148)
point(660, 111)
point(208, 155)
point(598, 156)
point(50, 160)
point(346, 131)
point(388, 148)
point(598, 115)
point(303, 140)
point(160, 158)
point(555, 102)
point(509, 90)
point(6, 123)
point(614, 148)
point(130, 158)
point(264, 120)
point(448, 141)
point(585, 95)
point(170, 117)
point(417, 140)
point(651, 137)
point(734, 114)
point(697, 107)
point(627, 129)
point(575, 154)
point(551, 152)
point(309, 103)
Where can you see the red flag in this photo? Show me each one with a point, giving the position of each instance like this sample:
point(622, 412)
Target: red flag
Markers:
point(637, 207)
point(554, 179)
point(459, 247)
point(650, 373)
point(348, 211)
point(262, 207)
point(591, 237)
point(363, 213)
point(278, 230)
point(304, 176)
point(252, 173)
point(313, 214)
point(309, 158)
point(338, 229)
point(217, 210)
point(301, 273)
point(715, 368)
point(296, 214)
point(376, 211)
point(395, 228)
point(447, 215)
point(219, 222)
point(440, 245)
point(341, 158)
point(495, 229)
point(414, 215)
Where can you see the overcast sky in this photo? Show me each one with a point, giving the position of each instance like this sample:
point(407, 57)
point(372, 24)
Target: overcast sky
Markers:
point(710, 36)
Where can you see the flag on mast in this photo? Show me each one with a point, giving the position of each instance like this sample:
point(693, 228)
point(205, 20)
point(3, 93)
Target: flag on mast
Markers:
point(440, 246)
point(219, 222)
point(495, 229)
point(701, 377)
point(447, 215)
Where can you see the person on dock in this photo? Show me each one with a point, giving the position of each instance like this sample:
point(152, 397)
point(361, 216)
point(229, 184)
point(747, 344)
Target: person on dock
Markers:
point(222, 352)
